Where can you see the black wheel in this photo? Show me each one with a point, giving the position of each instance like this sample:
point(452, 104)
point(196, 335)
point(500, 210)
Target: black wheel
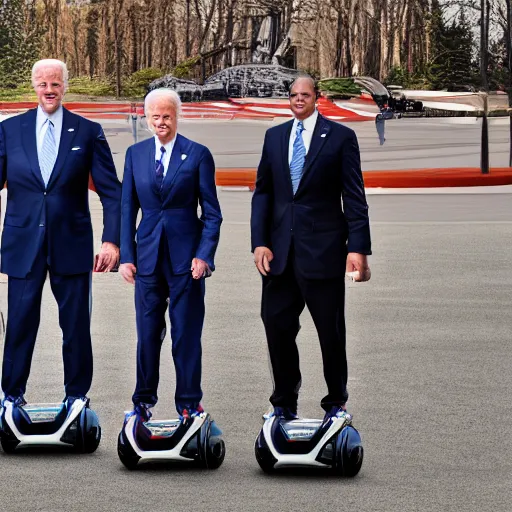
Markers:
point(89, 432)
point(349, 453)
point(214, 447)
point(8, 440)
point(9, 445)
point(263, 455)
point(126, 453)
point(92, 440)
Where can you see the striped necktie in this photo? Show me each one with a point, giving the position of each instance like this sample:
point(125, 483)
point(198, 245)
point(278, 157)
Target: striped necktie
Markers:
point(48, 154)
point(159, 168)
point(298, 157)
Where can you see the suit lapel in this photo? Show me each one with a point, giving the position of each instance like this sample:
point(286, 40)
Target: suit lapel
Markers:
point(29, 141)
point(175, 163)
point(70, 125)
point(285, 147)
point(151, 165)
point(320, 135)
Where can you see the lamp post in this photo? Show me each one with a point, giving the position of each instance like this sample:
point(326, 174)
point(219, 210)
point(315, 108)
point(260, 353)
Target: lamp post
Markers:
point(484, 154)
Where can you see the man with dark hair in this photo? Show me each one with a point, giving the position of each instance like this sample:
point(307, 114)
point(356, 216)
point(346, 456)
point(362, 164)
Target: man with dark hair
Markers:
point(309, 225)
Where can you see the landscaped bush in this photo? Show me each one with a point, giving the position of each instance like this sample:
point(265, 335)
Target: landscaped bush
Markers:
point(340, 86)
point(136, 85)
point(87, 87)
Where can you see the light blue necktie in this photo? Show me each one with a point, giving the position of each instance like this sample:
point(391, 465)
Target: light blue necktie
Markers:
point(298, 157)
point(48, 154)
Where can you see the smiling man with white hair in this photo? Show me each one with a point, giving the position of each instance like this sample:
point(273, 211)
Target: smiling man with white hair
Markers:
point(167, 258)
point(46, 157)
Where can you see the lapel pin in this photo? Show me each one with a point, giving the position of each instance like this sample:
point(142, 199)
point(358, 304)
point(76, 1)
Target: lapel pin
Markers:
point(323, 135)
point(71, 129)
point(183, 157)
point(75, 148)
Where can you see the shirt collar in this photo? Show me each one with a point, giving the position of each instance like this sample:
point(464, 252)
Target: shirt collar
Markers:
point(168, 147)
point(308, 123)
point(55, 118)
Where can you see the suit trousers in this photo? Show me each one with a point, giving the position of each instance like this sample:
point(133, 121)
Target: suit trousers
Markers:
point(283, 299)
point(73, 296)
point(186, 314)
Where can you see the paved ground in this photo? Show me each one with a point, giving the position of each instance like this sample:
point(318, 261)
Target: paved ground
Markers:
point(429, 354)
point(410, 143)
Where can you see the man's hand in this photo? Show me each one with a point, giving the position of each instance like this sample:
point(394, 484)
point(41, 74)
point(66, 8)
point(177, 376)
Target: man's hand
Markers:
point(262, 258)
point(128, 271)
point(199, 268)
point(358, 263)
point(108, 258)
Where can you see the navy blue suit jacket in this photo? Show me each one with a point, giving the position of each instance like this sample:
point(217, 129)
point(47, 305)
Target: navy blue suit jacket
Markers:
point(61, 211)
point(328, 215)
point(173, 208)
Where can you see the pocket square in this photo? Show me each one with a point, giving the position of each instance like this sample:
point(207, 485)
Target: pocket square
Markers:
point(76, 148)
point(183, 157)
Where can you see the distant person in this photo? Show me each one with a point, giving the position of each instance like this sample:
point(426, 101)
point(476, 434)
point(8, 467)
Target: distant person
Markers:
point(46, 157)
point(171, 252)
point(309, 225)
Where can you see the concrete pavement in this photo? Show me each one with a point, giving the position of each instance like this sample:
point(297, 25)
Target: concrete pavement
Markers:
point(429, 365)
point(429, 356)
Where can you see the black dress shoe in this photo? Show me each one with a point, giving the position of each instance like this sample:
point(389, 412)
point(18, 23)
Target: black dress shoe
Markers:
point(286, 413)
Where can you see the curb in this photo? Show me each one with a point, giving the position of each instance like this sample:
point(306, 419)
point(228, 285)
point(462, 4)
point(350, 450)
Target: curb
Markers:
point(410, 178)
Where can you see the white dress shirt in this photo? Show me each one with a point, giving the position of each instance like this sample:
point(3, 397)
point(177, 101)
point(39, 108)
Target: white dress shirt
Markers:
point(168, 151)
point(42, 125)
point(307, 134)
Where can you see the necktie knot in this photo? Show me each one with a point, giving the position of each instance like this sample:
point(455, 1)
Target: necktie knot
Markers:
point(300, 127)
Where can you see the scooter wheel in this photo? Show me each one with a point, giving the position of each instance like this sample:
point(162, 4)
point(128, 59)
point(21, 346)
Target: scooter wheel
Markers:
point(129, 461)
point(8, 445)
point(126, 453)
point(214, 447)
point(90, 431)
point(263, 455)
point(8, 440)
point(349, 453)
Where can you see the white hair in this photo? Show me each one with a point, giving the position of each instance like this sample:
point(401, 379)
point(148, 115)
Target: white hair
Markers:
point(163, 93)
point(50, 64)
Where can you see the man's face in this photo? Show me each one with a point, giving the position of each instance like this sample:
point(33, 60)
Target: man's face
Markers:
point(302, 99)
point(163, 119)
point(49, 87)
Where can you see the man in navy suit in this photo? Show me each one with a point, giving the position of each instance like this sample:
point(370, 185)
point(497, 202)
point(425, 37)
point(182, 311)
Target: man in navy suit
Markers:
point(46, 157)
point(167, 177)
point(309, 226)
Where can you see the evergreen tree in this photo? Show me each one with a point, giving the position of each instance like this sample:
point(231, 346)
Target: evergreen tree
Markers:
point(499, 74)
point(18, 47)
point(452, 64)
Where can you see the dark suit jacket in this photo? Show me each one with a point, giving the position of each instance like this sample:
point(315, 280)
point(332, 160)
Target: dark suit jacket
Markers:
point(328, 215)
point(63, 207)
point(173, 209)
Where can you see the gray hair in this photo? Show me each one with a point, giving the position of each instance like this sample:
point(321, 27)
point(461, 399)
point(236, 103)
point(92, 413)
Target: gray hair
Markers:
point(52, 64)
point(163, 93)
